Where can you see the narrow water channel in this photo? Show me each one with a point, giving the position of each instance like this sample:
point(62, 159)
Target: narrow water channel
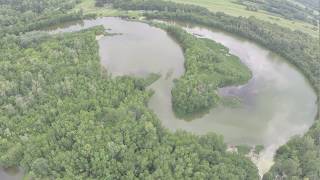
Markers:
point(277, 103)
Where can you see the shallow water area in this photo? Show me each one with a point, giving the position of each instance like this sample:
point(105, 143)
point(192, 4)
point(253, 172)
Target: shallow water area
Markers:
point(11, 174)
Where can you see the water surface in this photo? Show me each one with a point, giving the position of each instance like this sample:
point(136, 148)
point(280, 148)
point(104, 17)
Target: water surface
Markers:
point(278, 102)
point(10, 174)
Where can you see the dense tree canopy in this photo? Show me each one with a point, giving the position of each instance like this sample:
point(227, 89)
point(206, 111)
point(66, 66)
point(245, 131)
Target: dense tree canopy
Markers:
point(312, 4)
point(283, 8)
point(63, 117)
point(300, 49)
point(18, 16)
point(299, 158)
point(208, 65)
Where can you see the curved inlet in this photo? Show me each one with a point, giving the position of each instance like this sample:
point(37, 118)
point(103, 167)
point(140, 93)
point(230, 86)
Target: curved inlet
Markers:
point(276, 104)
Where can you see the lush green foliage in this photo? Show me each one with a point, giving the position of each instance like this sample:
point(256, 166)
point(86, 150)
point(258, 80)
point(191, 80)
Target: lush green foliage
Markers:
point(18, 16)
point(232, 8)
point(299, 158)
point(258, 149)
point(208, 66)
point(63, 117)
point(151, 5)
point(244, 149)
point(284, 8)
point(300, 49)
point(312, 4)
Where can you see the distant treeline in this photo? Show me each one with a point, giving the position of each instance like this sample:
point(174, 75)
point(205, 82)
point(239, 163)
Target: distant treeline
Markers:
point(283, 8)
point(18, 16)
point(299, 158)
point(63, 117)
point(297, 47)
point(312, 4)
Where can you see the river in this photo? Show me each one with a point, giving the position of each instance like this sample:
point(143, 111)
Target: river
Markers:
point(277, 103)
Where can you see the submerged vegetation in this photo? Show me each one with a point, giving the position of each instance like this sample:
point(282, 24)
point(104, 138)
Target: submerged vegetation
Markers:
point(209, 66)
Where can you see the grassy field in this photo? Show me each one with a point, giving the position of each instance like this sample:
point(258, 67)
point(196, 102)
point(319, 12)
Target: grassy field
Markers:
point(231, 8)
point(226, 6)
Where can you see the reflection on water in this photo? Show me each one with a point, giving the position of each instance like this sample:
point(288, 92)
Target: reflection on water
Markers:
point(10, 174)
point(278, 102)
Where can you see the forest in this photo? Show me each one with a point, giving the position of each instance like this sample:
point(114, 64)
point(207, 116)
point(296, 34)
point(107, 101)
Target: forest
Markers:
point(18, 16)
point(208, 66)
point(312, 4)
point(296, 159)
point(283, 8)
point(300, 49)
point(62, 116)
point(299, 158)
